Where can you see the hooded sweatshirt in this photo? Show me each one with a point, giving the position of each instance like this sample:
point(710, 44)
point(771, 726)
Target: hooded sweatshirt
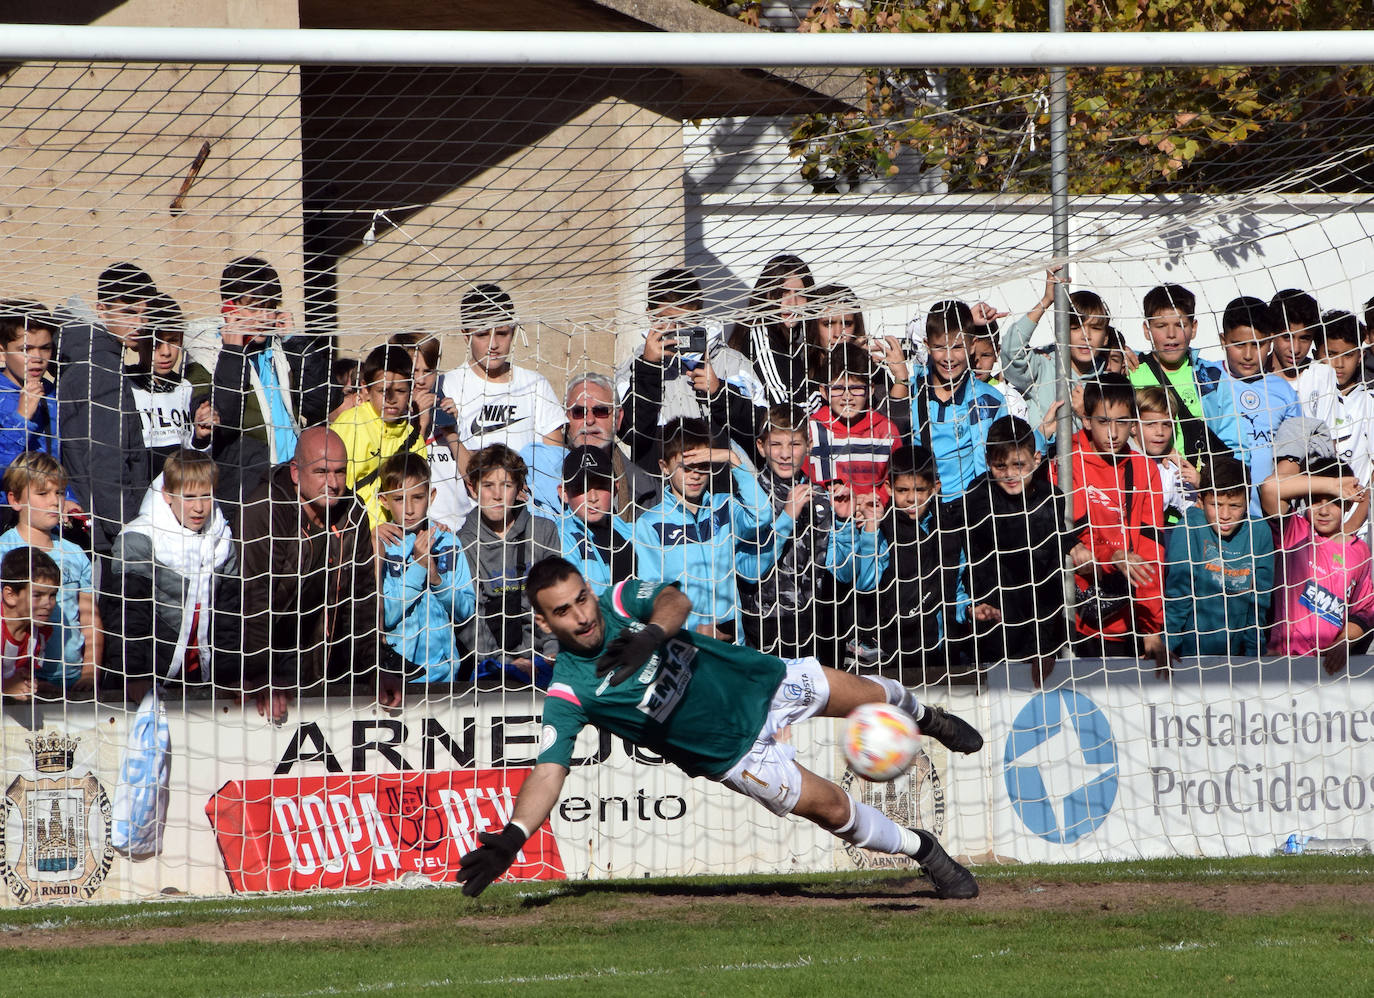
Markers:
point(1218, 590)
point(1116, 507)
point(504, 625)
point(173, 603)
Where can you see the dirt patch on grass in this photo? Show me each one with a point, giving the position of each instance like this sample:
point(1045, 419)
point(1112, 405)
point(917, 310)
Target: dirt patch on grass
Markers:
point(236, 931)
point(630, 901)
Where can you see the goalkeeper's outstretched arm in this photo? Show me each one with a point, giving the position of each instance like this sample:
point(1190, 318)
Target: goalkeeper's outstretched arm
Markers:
point(533, 806)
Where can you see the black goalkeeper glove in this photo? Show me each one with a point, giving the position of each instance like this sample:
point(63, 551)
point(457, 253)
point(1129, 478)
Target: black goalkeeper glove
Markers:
point(479, 868)
point(629, 651)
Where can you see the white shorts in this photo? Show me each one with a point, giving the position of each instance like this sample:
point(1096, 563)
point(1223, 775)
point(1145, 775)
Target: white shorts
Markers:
point(769, 772)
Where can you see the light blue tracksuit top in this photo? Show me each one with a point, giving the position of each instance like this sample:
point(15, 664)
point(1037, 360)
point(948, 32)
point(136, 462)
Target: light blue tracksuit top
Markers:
point(419, 618)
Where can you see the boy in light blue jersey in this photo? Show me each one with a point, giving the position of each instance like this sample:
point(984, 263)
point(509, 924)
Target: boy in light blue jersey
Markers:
point(426, 581)
point(627, 665)
point(597, 541)
point(1260, 401)
point(951, 410)
point(695, 535)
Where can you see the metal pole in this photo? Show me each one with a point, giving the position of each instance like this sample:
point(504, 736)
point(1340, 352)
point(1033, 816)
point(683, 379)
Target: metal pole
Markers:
point(1059, 205)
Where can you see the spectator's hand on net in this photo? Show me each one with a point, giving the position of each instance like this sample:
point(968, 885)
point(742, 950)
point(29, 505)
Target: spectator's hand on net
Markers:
point(797, 499)
point(388, 533)
point(477, 869)
point(1156, 649)
point(1053, 276)
point(1040, 670)
point(389, 690)
point(842, 500)
point(628, 653)
point(987, 613)
point(1050, 424)
point(984, 314)
point(1334, 658)
point(1130, 357)
point(272, 704)
point(1136, 569)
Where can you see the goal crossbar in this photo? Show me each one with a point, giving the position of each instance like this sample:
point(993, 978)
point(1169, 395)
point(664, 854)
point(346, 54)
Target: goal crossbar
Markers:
point(680, 49)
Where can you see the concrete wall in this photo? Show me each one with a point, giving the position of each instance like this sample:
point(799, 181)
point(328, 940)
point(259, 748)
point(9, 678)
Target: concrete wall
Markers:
point(91, 158)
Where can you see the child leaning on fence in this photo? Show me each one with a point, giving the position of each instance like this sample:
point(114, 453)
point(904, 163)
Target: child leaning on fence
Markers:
point(427, 586)
point(172, 607)
point(35, 485)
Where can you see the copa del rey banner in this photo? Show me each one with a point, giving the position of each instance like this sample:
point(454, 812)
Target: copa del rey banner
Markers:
point(297, 833)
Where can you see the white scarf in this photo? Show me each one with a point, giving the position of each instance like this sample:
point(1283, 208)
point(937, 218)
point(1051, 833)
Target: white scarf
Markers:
point(192, 554)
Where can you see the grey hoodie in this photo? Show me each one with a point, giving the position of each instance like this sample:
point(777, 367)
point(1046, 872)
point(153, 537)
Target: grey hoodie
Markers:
point(503, 627)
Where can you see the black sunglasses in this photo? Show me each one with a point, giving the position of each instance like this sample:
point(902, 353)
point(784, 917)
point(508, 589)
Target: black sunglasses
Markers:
point(599, 411)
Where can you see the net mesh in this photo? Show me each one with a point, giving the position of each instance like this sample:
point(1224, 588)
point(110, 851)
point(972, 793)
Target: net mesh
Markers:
point(388, 201)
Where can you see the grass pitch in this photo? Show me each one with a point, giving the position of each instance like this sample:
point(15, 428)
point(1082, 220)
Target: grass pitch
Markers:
point(1284, 926)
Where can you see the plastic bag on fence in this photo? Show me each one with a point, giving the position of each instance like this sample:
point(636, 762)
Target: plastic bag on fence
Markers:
point(140, 799)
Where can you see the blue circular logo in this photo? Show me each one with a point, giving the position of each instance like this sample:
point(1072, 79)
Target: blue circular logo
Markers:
point(1061, 767)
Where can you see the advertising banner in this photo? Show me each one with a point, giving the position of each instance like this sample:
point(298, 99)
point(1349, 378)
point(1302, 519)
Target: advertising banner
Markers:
point(298, 833)
point(1107, 761)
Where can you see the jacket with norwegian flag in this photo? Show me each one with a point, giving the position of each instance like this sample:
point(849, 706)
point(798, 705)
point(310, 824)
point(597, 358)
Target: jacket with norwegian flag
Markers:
point(855, 452)
point(1117, 506)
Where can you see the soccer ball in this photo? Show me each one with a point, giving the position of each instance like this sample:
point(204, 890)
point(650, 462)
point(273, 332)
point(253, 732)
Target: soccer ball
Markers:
point(880, 741)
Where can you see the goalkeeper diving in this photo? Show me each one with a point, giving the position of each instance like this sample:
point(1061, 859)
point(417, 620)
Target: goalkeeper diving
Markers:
point(713, 709)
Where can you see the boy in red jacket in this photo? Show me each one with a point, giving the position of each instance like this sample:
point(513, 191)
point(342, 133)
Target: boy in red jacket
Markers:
point(850, 441)
point(1119, 515)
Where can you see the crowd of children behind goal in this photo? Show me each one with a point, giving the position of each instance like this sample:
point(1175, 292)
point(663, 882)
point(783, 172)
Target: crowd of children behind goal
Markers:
point(883, 503)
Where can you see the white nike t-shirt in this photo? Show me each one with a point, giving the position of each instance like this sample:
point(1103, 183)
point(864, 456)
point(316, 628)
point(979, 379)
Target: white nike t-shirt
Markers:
point(515, 412)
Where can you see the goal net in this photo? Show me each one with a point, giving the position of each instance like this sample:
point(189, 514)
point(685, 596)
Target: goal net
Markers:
point(789, 265)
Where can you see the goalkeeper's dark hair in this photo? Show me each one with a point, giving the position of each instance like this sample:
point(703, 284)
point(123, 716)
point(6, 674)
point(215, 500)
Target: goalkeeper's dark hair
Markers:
point(911, 461)
point(1223, 475)
point(1109, 389)
point(251, 280)
point(25, 565)
point(545, 574)
point(124, 283)
point(682, 434)
point(1008, 435)
point(1293, 307)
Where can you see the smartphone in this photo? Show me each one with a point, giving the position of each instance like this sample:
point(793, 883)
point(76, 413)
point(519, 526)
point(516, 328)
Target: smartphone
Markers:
point(443, 419)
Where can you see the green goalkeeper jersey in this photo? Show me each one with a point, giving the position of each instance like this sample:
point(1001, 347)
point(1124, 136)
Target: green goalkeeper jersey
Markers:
point(698, 702)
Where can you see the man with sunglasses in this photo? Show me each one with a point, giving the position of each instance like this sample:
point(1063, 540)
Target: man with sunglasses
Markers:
point(593, 420)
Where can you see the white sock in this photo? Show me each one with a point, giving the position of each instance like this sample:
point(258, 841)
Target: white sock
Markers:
point(899, 696)
point(869, 828)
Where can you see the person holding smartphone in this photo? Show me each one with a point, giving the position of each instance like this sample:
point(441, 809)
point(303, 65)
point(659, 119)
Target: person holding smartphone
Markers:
point(684, 370)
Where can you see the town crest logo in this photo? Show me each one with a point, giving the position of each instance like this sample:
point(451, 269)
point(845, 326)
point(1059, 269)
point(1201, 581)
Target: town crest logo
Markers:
point(916, 799)
point(56, 833)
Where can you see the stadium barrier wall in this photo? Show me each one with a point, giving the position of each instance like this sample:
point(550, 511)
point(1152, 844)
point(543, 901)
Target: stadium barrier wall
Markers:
point(1107, 762)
